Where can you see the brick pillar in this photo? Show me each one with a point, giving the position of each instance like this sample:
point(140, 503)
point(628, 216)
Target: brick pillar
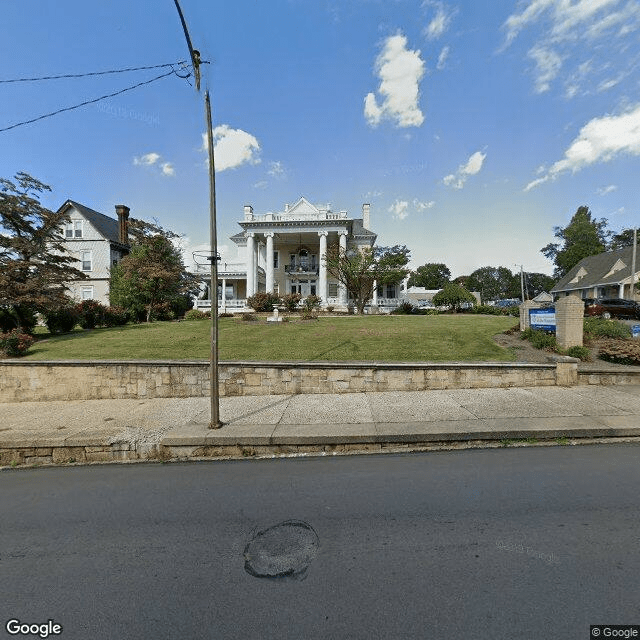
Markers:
point(569, 322)
point(524, 312)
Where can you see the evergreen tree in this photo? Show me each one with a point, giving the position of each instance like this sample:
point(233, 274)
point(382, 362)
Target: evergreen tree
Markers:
point(583, 236)
point(35, 266)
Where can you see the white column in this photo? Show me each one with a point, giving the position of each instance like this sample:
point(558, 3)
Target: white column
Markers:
point(223, 302)
point(322, 292)
point(375, 293)
point(342, 291)
point(621, 291)
point(269, 237)
point(251, 265)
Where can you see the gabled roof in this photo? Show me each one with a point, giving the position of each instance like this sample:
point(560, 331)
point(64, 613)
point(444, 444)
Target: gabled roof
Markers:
point(104, 225)
point(303, 207)
point(599, 270)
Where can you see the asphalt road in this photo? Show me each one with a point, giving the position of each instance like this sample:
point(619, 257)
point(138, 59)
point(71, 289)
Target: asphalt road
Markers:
point(490, 544)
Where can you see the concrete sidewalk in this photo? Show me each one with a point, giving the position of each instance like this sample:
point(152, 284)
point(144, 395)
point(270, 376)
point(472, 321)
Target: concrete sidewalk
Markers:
point(99, 430)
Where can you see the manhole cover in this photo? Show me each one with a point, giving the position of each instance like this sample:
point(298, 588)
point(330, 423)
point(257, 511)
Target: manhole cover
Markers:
point(283, 551)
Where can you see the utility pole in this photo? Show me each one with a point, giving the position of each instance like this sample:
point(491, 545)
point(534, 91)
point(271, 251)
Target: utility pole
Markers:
point(214, 422)
point(633, 263)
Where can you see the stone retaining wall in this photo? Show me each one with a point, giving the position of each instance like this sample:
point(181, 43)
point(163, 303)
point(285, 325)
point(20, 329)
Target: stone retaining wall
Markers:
point(22, 381)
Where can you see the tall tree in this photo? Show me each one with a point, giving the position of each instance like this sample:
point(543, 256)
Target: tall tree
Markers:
point(453, 295)
point(492, 283)
point(624, 239)
point(433, 275)
point(583, 236)
point(152, 273)
point(35, 266)
point(357, 270)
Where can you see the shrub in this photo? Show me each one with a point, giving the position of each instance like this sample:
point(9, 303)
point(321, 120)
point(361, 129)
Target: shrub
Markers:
point(196, 314)
point(61, 320)
point(291, 301)
point(312, 302)
point(162, 311)
point(488, 310)
point(249, 317)
point(582, 353)
point(620, 351)
point(10, 319)
point(540, 339)
point(263, 301)
point(15, 343)
point(115, 316)
point(601, 328)
point(330, 308)
point(308, 314)
point(404, 309)
point(513, 311)
point(90, 314)
point(225, 315)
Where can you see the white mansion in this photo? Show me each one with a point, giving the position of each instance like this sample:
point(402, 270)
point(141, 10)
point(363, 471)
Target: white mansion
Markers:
point(283, 253)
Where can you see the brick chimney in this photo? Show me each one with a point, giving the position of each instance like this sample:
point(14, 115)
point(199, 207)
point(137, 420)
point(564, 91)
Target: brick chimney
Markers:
point(123, 223)
point(365, 215)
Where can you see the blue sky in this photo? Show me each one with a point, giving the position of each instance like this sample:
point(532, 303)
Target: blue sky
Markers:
point(472, 128)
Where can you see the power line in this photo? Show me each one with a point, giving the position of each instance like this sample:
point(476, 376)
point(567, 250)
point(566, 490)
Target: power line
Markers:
point(86, 102)
point(93, 73)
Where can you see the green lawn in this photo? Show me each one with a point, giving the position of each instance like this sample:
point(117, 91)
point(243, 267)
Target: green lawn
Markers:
point(438, 338)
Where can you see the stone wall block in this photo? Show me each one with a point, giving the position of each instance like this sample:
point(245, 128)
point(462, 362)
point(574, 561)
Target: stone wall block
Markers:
point(569, 321)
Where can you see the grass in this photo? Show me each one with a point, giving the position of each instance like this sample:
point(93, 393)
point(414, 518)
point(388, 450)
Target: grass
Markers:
point(440, 338)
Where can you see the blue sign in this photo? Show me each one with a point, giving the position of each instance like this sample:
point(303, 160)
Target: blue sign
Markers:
point(635, 330)
point(543, 319)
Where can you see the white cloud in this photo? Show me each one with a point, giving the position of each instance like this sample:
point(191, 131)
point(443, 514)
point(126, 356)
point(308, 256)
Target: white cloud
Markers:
point(570, 27)
point(146, 159)
point(470, 168)
point(399, 209)
point(600, 140)
point(232, 147)
point(421, 206)
point(440, 21)
point(152, 159)
point(276, 170)
point(548, 64)
point(400, 71)
point(608, 189)
point(167, 169)
point(260, 185)
point(442, 58)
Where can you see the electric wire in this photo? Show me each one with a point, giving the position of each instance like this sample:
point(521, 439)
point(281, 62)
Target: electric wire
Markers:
point(86, 102)
point(93, 73)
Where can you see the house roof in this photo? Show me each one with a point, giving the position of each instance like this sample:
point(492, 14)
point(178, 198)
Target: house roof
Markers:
point(357, 229)
point(106, 226)
point(609, 268)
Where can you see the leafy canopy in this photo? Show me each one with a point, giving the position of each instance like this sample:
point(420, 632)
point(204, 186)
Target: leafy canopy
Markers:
point(35, 265)
point(453, 295)
point(433, 275)
point(492, 283)
point(357, 269)
point(584, 236)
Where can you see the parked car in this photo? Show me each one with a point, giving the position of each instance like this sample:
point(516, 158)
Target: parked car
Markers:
point(613, 308)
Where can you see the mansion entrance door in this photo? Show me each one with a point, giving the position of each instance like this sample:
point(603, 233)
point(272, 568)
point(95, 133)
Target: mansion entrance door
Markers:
point(304, 287)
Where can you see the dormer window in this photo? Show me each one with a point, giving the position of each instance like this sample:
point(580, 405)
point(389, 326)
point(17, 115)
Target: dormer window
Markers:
point(616, 267)
point(582, 272)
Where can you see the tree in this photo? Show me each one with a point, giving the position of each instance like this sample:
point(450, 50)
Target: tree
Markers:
point(536, 283)
point(453, 295)
point(492, 283)
point(152, 274)
point(583, 236)
point(357, 270)
point(430, 276)
point(34, 263)
point(624, 239)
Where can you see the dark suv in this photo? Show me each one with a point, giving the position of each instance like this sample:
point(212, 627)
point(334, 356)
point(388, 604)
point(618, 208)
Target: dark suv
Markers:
point(613, 308)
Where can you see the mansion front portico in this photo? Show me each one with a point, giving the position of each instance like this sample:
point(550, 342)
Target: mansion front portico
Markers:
point(283, 253)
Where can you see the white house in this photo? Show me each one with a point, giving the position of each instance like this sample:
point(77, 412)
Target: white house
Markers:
point(97, 242)
point(282, 253)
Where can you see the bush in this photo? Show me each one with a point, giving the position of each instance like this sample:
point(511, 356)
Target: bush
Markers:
point(513, 311)
point(308, 314)
point(15, 343)
point(196, 314)
point(540, 339)
point(115, 316)
point(291, 301)
point(10, 319)
point(263, 301)
point(225, 315)
point(330, 308)
point(162, 311)
point(404, 309)
point(249, 317)
point(488, 310)
point(582, 353)
point(312, 302)
point(601, 328)
point(90, 314)
point(61, 320)
point(620, 351)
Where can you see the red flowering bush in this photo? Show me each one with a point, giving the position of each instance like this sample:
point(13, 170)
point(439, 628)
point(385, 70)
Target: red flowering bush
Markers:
point(15, 343)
